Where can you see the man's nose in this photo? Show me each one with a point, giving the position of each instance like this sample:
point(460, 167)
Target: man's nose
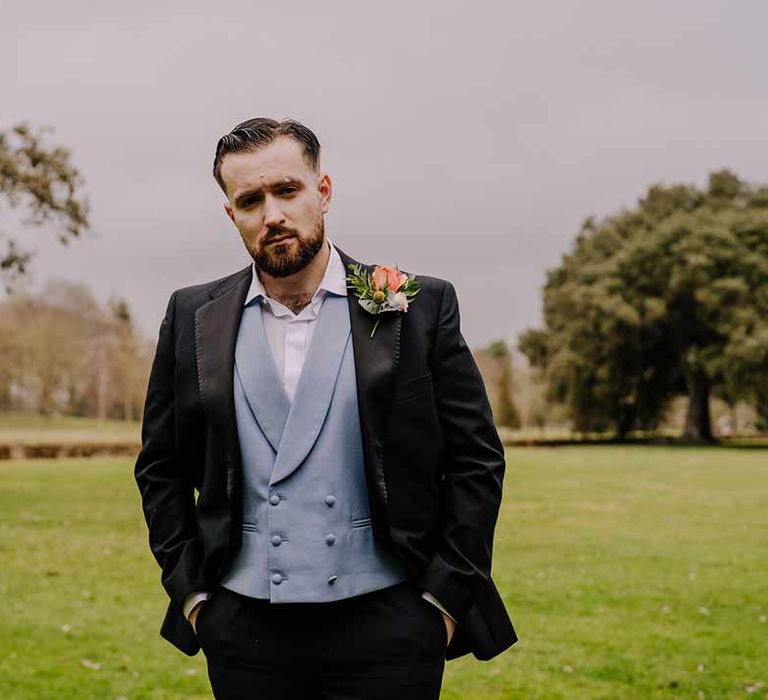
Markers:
point(273, 214)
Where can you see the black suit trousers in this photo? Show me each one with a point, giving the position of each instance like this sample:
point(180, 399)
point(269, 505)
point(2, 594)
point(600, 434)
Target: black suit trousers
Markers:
point(384, 645)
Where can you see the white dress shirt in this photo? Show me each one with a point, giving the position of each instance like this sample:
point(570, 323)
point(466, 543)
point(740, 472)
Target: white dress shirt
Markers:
point(289, 335)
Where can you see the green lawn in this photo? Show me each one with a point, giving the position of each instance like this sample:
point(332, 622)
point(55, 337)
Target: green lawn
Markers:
point(636, 572)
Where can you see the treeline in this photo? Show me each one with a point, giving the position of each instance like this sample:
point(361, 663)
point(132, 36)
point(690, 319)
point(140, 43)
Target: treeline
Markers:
point(61, 352)
point(525, 410)
point(666, 300)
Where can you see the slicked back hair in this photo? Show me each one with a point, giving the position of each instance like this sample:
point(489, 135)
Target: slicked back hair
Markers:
point(253, 134)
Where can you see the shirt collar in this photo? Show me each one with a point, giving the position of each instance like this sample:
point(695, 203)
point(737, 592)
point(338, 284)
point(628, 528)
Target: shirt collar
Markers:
point(334, 280)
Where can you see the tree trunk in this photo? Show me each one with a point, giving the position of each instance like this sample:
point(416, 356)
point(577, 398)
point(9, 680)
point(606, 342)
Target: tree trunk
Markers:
point(625, 421)
point(698, 427)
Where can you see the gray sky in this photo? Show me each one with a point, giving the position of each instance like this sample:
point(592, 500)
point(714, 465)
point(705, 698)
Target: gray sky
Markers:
point(466, 140)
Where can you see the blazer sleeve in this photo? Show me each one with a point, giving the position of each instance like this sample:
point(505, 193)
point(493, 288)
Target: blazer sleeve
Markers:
point(473, 470)
point(167, 494)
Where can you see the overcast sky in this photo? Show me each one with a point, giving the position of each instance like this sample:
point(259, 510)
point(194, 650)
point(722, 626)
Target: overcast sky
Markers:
point(466, 140)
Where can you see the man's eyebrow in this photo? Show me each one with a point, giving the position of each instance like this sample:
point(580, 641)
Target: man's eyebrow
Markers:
point(257, 190)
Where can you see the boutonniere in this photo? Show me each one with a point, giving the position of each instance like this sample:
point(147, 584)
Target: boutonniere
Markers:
point(384, 289)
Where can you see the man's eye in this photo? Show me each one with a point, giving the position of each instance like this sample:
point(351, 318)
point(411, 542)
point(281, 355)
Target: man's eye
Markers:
point(288, 190)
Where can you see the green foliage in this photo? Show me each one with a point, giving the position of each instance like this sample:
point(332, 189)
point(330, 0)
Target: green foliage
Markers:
point(41, 179)
point(671, 296)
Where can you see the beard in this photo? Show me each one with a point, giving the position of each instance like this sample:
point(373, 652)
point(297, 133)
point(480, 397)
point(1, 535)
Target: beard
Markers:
point(280, 261)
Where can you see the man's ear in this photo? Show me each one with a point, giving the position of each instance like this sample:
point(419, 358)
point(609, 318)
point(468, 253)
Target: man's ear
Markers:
point(325, 189)
point(228, 209)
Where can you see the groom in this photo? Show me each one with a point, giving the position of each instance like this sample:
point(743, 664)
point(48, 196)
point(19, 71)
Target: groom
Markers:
point(348, 482)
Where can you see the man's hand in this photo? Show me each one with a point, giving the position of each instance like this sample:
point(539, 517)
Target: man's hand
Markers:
point(450, 626)
point(194, 613)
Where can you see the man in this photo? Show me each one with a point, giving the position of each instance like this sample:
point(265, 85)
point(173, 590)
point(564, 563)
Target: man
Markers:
point(348, 469)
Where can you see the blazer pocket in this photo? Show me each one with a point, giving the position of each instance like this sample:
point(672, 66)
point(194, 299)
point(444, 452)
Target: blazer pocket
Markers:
point(413, 387)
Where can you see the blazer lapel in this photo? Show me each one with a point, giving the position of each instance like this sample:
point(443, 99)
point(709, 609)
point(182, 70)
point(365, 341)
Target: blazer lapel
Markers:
point(376, 364)
point(216, 325)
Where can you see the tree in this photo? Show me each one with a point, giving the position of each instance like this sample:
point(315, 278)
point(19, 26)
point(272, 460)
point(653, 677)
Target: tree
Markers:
point(63, 352)
point(127, 367)
point(507, 414)
point(40, 179)
point(667, 298)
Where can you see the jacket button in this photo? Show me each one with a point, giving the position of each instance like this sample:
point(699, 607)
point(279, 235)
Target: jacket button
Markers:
point(330, 500)
point(332, 579)
point(274, 499)
point(276, 578)
point(276, 540)
point(330, 538)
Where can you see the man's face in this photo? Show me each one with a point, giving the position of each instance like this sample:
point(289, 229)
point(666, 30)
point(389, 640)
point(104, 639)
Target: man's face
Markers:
point(277, 203)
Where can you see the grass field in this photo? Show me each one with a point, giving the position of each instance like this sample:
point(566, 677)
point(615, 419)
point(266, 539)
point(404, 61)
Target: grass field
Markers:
point(630, 572)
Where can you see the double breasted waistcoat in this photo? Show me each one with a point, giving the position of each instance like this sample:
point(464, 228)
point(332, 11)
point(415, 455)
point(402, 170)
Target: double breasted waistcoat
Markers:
point(306, 525)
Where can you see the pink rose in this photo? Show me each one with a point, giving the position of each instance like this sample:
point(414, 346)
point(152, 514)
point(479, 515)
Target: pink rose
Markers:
point(390, 276)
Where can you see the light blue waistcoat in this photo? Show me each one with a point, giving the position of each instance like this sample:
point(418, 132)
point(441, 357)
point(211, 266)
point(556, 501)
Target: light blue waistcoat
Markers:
point(307, 533)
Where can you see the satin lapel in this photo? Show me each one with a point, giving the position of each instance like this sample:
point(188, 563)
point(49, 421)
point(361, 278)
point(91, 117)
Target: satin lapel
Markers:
point(315, 388)
point(376, 364)
point(256, 370)
point(216, 324)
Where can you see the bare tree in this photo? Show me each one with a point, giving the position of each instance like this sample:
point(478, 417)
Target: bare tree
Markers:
point(40, 179)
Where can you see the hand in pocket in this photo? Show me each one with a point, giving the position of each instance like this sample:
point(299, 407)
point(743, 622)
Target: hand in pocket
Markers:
point(450, 626)
point(194, 613)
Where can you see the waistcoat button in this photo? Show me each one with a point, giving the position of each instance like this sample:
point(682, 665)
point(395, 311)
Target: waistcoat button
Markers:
point(330, 500)
point(332, 579)
point(276, 540)
point(330, 538)
point(274, 499)
point(276, 578)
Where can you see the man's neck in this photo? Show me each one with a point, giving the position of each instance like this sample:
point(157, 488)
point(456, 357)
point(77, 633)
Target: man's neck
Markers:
point(297, 290)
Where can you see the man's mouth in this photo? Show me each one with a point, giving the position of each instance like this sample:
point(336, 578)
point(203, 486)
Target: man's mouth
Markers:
point(280, 240)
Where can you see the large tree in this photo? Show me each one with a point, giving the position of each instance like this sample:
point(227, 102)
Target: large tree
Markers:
point(669, 297)
point(38, 178)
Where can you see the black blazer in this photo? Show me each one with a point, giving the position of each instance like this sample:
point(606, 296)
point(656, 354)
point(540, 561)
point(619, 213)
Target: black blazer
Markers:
point(434, 463)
